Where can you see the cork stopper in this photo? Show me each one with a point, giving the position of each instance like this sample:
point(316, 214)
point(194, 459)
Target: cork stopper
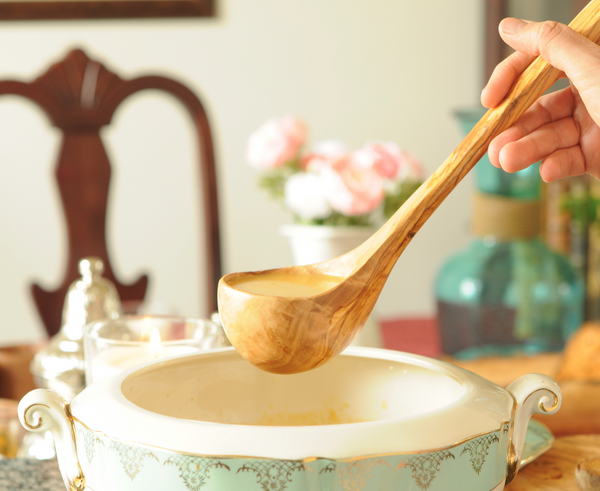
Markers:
point(505, 218)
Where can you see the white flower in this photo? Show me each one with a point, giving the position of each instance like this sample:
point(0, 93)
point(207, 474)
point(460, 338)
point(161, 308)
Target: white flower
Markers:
point(304, 196)
point(332, 149)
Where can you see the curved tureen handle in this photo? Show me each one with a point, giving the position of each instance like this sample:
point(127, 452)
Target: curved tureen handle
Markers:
point(533, 394)
point(41, 410)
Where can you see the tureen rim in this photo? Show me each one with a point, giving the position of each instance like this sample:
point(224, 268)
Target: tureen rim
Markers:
point(411, 434)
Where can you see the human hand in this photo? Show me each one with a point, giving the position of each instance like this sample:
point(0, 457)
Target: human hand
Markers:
point(562, 129)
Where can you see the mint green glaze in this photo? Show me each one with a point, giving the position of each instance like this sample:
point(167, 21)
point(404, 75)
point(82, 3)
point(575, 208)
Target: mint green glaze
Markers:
point(479, 464)
point(525, 184)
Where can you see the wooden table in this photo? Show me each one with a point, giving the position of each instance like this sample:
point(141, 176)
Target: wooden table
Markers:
point(555, 470)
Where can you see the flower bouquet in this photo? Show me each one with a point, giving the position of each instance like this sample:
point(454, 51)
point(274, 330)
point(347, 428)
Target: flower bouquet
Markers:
point(330, 185)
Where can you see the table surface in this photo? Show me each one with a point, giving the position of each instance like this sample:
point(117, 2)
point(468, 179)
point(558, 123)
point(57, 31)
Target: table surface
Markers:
point(555, 470)
point(30, 475)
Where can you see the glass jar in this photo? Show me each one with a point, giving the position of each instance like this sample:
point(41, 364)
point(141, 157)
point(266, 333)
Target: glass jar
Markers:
point(506, 292)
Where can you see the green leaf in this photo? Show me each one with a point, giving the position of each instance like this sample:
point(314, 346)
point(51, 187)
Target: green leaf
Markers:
point(582, 209)
point(339, 220)
point(273, 181)
point(394, 201)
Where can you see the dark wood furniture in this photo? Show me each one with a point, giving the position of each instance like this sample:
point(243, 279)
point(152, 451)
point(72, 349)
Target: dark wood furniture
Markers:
point(15, 377)
point(104, 9)
point(80, 96)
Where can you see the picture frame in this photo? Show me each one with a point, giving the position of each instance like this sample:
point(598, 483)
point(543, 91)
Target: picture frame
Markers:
point(104, 9)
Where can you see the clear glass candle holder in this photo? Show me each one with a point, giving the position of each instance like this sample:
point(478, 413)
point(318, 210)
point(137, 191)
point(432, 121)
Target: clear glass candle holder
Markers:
point(114, 345)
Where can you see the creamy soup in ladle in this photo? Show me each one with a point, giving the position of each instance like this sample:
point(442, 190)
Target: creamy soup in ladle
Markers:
point(288, 285)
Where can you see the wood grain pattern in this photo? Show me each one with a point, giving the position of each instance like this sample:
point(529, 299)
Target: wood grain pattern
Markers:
point(80, 96)
point(290, 335)
point(555, 470)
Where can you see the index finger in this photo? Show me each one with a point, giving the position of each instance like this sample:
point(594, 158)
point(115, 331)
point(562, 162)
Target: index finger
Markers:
point(503, 77)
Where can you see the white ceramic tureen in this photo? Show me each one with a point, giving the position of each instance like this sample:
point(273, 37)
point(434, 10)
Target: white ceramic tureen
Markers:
point(368, 420)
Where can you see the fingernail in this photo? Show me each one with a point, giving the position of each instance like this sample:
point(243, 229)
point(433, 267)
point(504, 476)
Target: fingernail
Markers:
point(482, 97)
point(483, 91)
point(512, 26)
point(502, 157)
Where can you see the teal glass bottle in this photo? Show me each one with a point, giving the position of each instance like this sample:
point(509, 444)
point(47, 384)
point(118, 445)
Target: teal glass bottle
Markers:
point(506, 292)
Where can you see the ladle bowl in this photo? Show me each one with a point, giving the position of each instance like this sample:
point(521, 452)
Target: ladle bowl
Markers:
point(295, 334)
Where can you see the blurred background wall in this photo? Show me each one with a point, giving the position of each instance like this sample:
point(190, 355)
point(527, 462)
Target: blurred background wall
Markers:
point(352, 70)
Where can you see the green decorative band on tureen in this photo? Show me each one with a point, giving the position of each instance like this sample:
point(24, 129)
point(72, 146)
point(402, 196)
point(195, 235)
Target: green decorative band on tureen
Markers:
point(477, 464)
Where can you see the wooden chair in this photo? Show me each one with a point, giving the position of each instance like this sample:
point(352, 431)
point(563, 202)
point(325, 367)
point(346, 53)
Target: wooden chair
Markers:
point(80, 96)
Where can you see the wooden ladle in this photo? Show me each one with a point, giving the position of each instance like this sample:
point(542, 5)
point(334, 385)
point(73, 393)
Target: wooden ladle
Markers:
point(294, 334)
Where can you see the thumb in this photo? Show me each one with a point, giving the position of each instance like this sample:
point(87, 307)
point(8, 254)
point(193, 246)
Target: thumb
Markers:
point(559, 45)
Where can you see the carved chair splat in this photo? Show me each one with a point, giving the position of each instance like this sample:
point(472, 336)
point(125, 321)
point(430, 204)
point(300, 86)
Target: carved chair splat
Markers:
point(80, 96)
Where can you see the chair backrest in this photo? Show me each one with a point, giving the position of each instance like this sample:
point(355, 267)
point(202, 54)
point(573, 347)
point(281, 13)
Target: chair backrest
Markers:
point(80, 96)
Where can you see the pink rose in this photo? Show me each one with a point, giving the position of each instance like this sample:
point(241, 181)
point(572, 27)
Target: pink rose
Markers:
point(383, 157)
point(323, 153)
point(390, 162)
point(275, 142)
point(351, 189)
point(315, 163)
point(411, 168)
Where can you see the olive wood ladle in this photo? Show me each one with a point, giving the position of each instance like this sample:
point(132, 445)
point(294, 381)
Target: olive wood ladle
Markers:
point(291, 335)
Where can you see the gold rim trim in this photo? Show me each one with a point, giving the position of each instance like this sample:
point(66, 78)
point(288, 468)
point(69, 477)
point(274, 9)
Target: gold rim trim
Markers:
point(541, 405)
point(554, 405)
point(78, 483)
point(305, 460)
point(512, 463)
point(40, 421)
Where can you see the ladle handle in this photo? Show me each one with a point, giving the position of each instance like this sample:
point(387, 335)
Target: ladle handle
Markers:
point(389, 242)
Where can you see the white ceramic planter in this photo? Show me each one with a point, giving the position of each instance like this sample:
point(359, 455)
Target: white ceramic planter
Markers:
point(391, 422)
point(313, 244)
point(316, 243)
